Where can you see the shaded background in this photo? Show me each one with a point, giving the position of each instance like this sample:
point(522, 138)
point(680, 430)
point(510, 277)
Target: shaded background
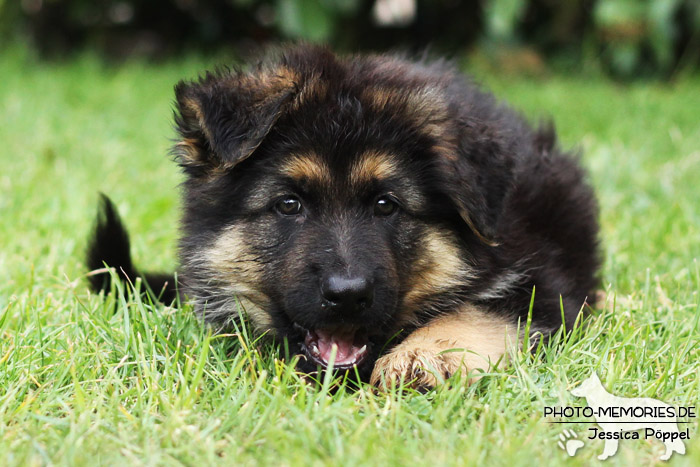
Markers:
point(626, 39)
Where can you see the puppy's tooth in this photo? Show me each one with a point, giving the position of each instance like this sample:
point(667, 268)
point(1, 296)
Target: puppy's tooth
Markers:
point(362, 350)
point(314, 350)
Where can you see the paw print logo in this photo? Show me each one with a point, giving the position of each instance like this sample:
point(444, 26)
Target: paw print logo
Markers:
point(569, 443)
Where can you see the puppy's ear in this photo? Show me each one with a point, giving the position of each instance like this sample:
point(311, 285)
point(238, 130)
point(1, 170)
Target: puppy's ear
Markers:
point(223, 117)
point(477, 178)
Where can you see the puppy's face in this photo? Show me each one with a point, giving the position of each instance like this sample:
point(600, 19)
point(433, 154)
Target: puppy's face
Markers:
point(328, 242)
point(319, 206)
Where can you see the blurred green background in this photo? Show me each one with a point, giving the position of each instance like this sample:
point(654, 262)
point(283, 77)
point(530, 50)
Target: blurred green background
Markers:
point(626, 39)
point(86, 90)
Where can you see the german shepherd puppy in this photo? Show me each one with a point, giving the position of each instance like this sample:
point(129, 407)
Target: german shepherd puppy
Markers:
point(372, 212)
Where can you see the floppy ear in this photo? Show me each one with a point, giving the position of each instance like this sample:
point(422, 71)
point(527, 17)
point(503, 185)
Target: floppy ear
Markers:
point(477, 180)
point(223, 117)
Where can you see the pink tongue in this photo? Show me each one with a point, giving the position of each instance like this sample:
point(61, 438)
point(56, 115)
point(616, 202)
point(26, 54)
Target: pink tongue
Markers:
point(346, 352)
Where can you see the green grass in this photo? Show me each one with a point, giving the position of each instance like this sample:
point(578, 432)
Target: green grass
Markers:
point(81, 385)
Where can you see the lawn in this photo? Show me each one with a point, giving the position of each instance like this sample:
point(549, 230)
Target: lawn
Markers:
point(81, 384)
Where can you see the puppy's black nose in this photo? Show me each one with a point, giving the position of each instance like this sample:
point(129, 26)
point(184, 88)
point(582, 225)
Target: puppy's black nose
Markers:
point(347, 294)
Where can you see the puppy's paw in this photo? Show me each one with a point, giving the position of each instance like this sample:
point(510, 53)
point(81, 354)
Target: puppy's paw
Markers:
point(419, 368)
point(463, 342)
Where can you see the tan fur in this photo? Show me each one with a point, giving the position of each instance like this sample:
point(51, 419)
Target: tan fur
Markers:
point(273, 81)
point(439, 268)
point(188, 149)
point(313, 88)
point(468, 339)
point(234, 263)
point(372, 165)
point(468, 220)
point(446, 148)
point(267, 84)
point(307, 167)
point(378, 98)
point(426, 108)
point(429, 112)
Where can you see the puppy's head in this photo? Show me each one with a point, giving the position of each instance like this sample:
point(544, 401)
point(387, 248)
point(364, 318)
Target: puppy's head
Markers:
point(328, 198)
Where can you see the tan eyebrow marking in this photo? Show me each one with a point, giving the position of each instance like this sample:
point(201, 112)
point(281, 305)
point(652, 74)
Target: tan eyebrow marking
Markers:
point(373, 165)
point(307, 166)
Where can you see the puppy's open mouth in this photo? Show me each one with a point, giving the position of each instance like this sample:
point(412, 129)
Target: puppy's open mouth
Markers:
point(348, 343)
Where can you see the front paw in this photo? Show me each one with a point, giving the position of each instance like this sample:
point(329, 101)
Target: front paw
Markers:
point(418, 368)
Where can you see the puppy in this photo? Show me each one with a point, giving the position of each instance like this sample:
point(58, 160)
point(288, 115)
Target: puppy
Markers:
point(379, 215)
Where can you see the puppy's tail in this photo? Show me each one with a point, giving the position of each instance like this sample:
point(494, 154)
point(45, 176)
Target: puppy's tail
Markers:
point(109, 245)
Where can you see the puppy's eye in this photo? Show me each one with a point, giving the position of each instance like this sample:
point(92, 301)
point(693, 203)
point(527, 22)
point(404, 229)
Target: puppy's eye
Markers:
point(289, 206)
point(385, 206)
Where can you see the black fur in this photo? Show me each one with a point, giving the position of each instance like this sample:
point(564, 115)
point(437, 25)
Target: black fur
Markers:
point(500, 196)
